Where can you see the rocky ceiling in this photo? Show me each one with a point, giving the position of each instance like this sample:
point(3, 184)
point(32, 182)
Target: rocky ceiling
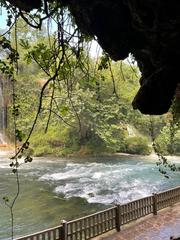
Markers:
point(148, 29)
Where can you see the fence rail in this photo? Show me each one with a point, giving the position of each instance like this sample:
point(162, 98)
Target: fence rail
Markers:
point(55, 233)
point(112, 218)
point(92, 225)
point(166, 198)
point(136, 209)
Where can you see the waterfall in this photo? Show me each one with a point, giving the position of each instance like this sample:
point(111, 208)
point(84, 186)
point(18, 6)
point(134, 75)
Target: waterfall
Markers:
point(2, 116)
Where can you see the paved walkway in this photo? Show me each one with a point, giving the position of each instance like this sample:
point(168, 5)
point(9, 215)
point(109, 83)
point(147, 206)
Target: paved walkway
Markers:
point(160, 227)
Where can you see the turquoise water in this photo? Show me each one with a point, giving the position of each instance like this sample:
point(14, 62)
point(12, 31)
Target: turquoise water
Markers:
point(56, 189)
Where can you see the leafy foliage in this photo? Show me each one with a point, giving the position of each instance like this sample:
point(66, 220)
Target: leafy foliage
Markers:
point(138, 145)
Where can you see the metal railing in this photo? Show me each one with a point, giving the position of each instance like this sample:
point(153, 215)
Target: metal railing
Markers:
point(112, 218)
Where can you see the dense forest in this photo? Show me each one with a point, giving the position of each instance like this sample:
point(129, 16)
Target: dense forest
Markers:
point(88, 109)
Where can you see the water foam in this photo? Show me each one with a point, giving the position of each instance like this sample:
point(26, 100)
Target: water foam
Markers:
point(104, 182)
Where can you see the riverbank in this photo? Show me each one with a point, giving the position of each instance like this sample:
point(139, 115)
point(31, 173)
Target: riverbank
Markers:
point(8, 150)
point(152, 156)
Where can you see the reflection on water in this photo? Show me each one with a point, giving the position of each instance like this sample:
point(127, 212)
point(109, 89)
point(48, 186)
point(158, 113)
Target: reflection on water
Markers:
point(53, 189)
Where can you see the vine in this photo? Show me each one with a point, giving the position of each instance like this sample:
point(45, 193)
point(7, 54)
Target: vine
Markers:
point(53, 61)
point(8, 68)
point(174, 124)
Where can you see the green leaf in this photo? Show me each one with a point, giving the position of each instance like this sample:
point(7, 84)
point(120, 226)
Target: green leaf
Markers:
point(64, 110)
point(24, 43)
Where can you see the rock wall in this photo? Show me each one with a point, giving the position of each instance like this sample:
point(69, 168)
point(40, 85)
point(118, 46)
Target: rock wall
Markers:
point(150, 30)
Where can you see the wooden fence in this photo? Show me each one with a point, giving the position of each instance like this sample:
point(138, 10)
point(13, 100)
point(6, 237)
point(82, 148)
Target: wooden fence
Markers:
point(55, 233)
point(112, 218)
point(92, 225)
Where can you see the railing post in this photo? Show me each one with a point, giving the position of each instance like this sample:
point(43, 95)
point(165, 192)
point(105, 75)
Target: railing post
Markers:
point(154, 203)
point(118, 217)
point(64, 230)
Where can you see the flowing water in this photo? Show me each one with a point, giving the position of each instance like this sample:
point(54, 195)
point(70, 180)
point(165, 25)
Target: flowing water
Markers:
point(2, 139)
point(2, 117)
point(56, 189)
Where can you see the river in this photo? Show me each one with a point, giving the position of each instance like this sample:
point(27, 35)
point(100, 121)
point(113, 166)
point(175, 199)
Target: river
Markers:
point(55, 189)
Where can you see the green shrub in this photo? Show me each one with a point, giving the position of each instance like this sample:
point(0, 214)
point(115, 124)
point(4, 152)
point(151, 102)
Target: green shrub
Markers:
point(58, 141)
point(165, 146)
point(137, 145)
point(162, 144)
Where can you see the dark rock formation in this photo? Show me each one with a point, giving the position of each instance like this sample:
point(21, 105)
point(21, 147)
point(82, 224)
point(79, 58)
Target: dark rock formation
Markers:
point(149, 29)
point(26, 5)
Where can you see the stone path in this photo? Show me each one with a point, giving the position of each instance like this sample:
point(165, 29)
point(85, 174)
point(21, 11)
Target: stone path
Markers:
point(160, 227)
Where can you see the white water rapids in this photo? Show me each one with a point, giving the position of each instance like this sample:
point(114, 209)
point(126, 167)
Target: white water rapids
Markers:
point(107, 182)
